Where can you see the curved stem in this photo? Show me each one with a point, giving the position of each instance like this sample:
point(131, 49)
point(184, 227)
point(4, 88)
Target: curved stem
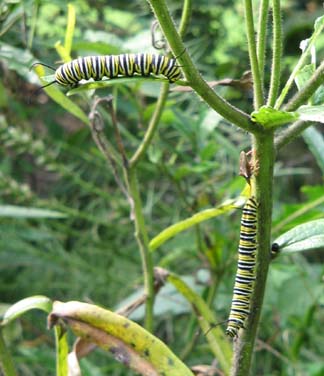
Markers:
point(193, 76)
point(262, 36)
point(185, 17)
point(308, 90)
point(290, 133)
point(131, 178)
point(6, 362)
point(143, 243)
point(264, 154)
point(276, 53)
point(298, 66)
point(249, 23)
point(154, 122)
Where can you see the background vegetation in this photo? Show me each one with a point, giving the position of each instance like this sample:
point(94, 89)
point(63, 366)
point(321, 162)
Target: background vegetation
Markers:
point(49, 161)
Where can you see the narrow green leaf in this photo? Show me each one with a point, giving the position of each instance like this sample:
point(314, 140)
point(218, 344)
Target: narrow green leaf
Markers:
point(315, 141)
point(13, 17)
point(60, 49)
point(61, 99)
point(304, 75)
point(114, 81)
point(206, 319)
point(304, 237)
point(6, 361)
point(69, 29)
point(269, 117)
point(312, 113)
point(318, 27)
point(319, 24)
point(204, 215)
point(62, 351)
point(33, 302)
point(12, 211)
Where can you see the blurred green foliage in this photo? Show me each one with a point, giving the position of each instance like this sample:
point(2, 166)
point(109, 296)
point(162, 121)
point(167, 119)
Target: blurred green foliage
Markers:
point(49, 161)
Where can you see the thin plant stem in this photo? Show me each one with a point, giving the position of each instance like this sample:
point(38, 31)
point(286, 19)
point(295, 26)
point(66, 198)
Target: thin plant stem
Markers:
point(298, 66)
point(308, 90)
point(185, 17)
point(143, 242)
point(264, 154)
point(291, 133)
point(249, 24)
point(6, 362)
point(154, 122)
point(225, 109)
point(262, 36)
point(276, 53)
point(131, 176)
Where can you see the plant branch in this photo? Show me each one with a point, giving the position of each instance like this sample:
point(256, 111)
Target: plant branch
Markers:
point(264, 155)
point(185, 17)
point(155, 119)
point(143, 242)
point(193, 76)
point(249, 24)
point(262, 36)
point(298, 66)
point(154, 122)
point(290, 133)
point(308, 90)
point(6, 362)
point(276, 53)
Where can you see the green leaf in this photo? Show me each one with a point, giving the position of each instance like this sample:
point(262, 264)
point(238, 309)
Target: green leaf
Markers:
point(12, 211)
point(319, 24)
point(13, 17)
point(204, 215)
point(69, 29)
point(269, 117)
point(114, 81)
point(206, 318)
point(315, 141)
point(124, 338)
point(304, 75)
point(61, 99)
point(312, 113)
point(33, 302)
point(62, 351)
point(305, 237)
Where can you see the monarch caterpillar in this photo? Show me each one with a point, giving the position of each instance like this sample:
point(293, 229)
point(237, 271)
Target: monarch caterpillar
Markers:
point(245, 274)
point(112, 66)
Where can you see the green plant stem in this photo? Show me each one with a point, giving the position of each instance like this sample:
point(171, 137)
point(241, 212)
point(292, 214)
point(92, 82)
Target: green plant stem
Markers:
point(193, 76)
point(262, 36)
point(249, 24)
point(155, 119)
point(298, 66)
point(264, 154)
point(143, 242)
point(154, 122)
point(292, 132)
point(185, 17)
point(140, 227)
point(276, 54)
point(308, 90)
point(6, 362)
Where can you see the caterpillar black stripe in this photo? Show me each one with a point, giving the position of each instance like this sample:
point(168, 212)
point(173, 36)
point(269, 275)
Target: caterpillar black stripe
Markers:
point(112, 66)
point(245, 274)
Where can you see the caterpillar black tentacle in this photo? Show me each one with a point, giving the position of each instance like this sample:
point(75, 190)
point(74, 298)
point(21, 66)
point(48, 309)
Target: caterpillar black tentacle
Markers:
point(112, 66)
point(275, 250)
point(245, 275)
